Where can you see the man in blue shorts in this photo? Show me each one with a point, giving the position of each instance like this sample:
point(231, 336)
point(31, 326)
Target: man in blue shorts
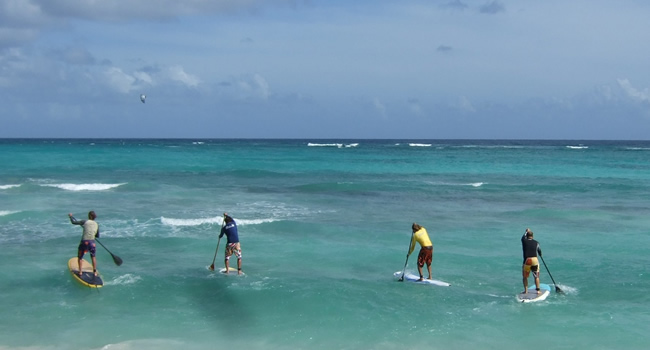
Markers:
point(87, 244)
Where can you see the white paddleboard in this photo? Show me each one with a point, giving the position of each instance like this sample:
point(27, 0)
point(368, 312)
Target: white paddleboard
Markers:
point(409, 277)
point(532, 296)
point(231, 270)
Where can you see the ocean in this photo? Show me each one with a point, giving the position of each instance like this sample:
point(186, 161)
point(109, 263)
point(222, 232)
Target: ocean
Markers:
point(324, 225)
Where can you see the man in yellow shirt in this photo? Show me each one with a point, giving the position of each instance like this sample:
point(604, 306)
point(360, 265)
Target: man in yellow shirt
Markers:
point(425, 256)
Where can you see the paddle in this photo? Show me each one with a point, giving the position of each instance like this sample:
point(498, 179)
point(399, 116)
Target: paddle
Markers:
point(401, 279)
point(557, 289)
point(216, 250)
point(116, 259)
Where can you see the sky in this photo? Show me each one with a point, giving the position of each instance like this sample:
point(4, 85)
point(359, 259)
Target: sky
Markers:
point(325, 69)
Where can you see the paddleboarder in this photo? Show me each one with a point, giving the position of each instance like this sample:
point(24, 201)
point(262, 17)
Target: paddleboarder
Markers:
point(232, 246)
point(425, 256)
point(87, 244)
point(530, 248)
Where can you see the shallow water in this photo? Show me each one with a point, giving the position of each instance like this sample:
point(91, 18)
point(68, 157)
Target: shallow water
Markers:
point(324, 224)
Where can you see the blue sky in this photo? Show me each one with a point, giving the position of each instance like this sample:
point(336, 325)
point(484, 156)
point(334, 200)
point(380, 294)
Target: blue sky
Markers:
point(325, 69)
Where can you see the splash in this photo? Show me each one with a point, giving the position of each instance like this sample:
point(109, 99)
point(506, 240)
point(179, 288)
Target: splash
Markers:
point(125, 279)
point(213, 220)
point(84, 187)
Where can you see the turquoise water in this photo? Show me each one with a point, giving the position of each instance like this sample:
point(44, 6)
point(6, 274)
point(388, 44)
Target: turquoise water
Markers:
point(324, 224)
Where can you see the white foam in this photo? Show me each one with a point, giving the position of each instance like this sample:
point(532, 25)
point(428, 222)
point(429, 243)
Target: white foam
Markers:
point(339, 145)
point(124, 280)
point(420, 144)
point(213, 220)
point(84, 187)
point(6, 187)
point(577, 147)
point(190, 222)
point(8, 212)
point(566, 289)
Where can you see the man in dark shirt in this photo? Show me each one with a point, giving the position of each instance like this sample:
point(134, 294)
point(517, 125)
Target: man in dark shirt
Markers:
point(233, 246)
point(530, 248)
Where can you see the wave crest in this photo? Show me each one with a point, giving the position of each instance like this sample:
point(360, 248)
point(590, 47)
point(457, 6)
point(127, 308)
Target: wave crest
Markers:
point(213, 220)
point(84, 187)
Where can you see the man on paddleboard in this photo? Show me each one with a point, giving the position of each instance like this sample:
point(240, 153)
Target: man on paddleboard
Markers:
point(425, 256)
point(233, 246)
point(530, 249)
point(87, 244)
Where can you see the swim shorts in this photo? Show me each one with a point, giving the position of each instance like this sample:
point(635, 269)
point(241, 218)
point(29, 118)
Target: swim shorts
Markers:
point(531, 264)
point(233, 248)
point(85, 247)
point(425, 256)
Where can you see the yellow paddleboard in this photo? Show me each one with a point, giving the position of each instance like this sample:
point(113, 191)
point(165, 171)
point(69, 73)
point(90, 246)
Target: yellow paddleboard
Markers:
point(87, 277)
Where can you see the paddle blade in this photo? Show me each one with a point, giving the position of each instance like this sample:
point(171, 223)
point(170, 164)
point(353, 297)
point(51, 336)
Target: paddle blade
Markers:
point(558, 290)
point(117, 260)
point(212, 267)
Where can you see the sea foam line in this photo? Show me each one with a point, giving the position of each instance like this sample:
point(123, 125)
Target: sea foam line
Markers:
point(6, 187)
point(420, 144)
point(213, 220)
point(8, 212)
point(84, 187)
point(337, 145)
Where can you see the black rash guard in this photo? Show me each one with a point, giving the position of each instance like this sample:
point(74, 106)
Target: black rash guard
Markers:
point(530, 248)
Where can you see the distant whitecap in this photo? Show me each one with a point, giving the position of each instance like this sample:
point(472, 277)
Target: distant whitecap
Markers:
point(84, 187)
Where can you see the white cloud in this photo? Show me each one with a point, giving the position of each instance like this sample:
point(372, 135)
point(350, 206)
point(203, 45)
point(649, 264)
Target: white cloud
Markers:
point(415, 107)
point(145, 77)
point(177, 73)
point(118, 80)
point(379, 106)
point(643, 96)
point(248, 86)
point(262, 85)
point(465, 105)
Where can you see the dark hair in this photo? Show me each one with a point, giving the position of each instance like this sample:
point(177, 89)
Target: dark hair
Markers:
point(529, 234)
point(228, 219)
point(92, 215)
point(415, 227)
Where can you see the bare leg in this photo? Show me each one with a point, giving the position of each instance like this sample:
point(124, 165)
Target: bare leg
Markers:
point(537, 285)
point(79, 266)
point(429, 268)
point(525, 279)
point(239, 266)
point(420, 272)
point(226, 263)
point(94, 266)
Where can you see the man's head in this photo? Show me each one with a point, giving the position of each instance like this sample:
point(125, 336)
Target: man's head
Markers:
point(529, 233)
point(92, 215)
point(415, 227)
